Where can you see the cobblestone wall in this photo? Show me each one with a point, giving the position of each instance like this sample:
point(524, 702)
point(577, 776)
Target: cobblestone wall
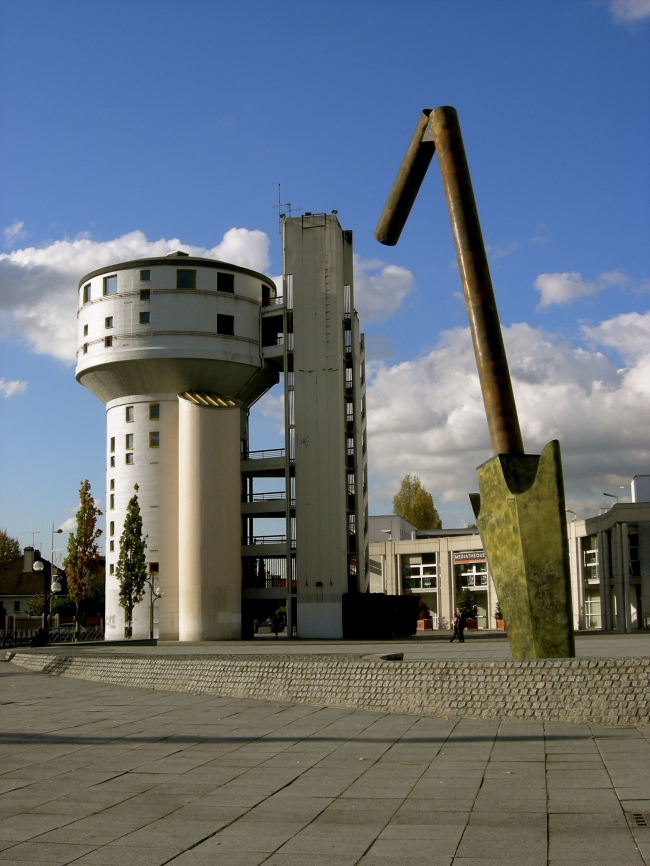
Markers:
point(601, 691)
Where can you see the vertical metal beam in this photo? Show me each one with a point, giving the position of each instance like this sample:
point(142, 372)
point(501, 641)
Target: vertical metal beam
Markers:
point(494, 375)
point(603, 582)
point(625, 561)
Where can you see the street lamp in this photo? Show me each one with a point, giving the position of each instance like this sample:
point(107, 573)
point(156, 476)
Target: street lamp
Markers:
point(39, 568)
point(612, 496)
point(155, 593)
point(571, 511)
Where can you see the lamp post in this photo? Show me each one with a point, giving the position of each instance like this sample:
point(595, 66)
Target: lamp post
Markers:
point(155, 593)
point(612, 496)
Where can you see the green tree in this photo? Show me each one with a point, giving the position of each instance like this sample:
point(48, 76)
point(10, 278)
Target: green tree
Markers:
point(131, 568)
point(414, 504)
point(9, 549)
point(82, 563)
point(465, 601)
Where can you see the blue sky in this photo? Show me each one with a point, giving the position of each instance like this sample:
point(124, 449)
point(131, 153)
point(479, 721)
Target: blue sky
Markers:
point(178, 120)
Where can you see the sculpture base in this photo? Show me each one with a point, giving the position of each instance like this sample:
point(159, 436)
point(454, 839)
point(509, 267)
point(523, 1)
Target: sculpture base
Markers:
point(520, 515)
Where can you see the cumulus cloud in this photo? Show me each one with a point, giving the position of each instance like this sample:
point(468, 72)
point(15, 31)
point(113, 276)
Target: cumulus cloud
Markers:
point(379, 289)
point(69, 525)
point(563, 288)
point(426, 416)
point(8, 389)
point(38, 285)
point(626, 11)
point(500, 252)
point(14, 232)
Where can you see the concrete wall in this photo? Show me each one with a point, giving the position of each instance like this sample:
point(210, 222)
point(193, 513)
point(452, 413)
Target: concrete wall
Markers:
point(209, 523)
point(595, 691)
point(155, 471)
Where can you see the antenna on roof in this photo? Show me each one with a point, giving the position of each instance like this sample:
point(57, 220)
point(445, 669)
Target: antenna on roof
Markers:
point(282, 214)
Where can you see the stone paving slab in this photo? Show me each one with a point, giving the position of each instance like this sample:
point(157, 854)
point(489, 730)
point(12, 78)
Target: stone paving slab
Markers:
point(292, 785)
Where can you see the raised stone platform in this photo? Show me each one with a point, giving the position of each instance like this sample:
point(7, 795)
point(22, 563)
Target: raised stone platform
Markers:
point(611, 691)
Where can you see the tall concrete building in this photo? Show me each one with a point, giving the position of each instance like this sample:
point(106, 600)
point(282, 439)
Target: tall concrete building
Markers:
point(178, 348)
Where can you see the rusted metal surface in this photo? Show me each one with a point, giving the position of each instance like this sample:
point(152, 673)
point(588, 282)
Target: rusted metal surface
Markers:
point(407, 183)
point(490, 352)
point(439, 130)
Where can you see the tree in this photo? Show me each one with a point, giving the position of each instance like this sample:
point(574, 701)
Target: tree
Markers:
point(465, 601)
point(414, 504)
point(9, 549)
point(82, 563)
point(131, 568)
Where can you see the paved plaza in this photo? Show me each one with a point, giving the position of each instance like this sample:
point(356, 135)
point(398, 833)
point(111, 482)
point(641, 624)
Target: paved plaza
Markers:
point(102, 775)
point(428, 646)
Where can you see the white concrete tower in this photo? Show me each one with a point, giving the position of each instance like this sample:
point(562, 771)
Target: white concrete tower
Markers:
point(171, 346)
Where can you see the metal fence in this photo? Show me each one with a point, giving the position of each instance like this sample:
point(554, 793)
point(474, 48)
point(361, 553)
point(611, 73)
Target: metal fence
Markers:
point(25, 636)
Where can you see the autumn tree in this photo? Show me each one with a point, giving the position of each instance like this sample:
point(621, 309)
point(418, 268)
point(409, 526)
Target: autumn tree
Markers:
point(131, 570)
point(9, 549)
point(414, 504)
point(82, 563)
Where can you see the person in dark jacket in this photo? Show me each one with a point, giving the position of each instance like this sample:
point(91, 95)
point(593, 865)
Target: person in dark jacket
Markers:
point(460, 624)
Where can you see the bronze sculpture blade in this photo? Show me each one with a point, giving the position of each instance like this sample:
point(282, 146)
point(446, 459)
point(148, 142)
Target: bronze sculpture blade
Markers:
point(520, 509)
point(409, 178)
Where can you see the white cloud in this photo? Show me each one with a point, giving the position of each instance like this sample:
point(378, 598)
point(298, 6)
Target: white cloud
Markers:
point(624, 11)
point(271, 405)
point(69, 525)
point(563, 288)
point(378, 295)
point(38, 285)
point(8, 389)
point(426, 416)
point(14, 232)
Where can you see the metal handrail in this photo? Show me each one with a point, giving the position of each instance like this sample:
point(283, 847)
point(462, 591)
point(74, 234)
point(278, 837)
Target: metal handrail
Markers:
point(264, 497)
point(264, 453)
point(267, 539)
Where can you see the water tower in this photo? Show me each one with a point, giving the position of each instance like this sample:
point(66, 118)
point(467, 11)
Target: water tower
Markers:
point(171, 346)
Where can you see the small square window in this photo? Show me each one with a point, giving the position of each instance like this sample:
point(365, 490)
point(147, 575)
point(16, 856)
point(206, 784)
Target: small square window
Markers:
point(86, 293)
point(129, 441)
point(110, 285)
point(145, 294)
point(112, 500)
point(185, 279)
point(145, 276)
point(85, 349)
point(108, 342)
point(129, 459)
point(111, 569)
point(145, 318)
point(112, 528)
point(112, 484)
point(112, 443)
point(108, 322)
point(154, 411)
point(225, 325)
point(129, 413)
point(225, 282)
point(154, 439)
point(112, 462)
point(85, 330)
point(111, 546)
point(153, 568)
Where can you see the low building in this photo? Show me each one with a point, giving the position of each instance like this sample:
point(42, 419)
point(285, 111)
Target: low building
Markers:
point(434, 564)
point(610, 564)
point(609, 555)
point(19, 584)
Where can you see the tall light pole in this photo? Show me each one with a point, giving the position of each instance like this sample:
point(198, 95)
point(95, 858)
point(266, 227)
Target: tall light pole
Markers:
point(155, 593)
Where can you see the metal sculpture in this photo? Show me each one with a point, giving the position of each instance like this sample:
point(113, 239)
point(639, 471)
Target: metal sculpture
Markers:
point(520, 508)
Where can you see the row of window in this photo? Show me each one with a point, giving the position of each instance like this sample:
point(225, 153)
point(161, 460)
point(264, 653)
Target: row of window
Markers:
point(185, 279)
point(225, 327)
point(154, 440)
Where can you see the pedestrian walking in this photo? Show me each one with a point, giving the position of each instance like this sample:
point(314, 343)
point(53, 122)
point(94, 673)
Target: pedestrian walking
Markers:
point(459, 623)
